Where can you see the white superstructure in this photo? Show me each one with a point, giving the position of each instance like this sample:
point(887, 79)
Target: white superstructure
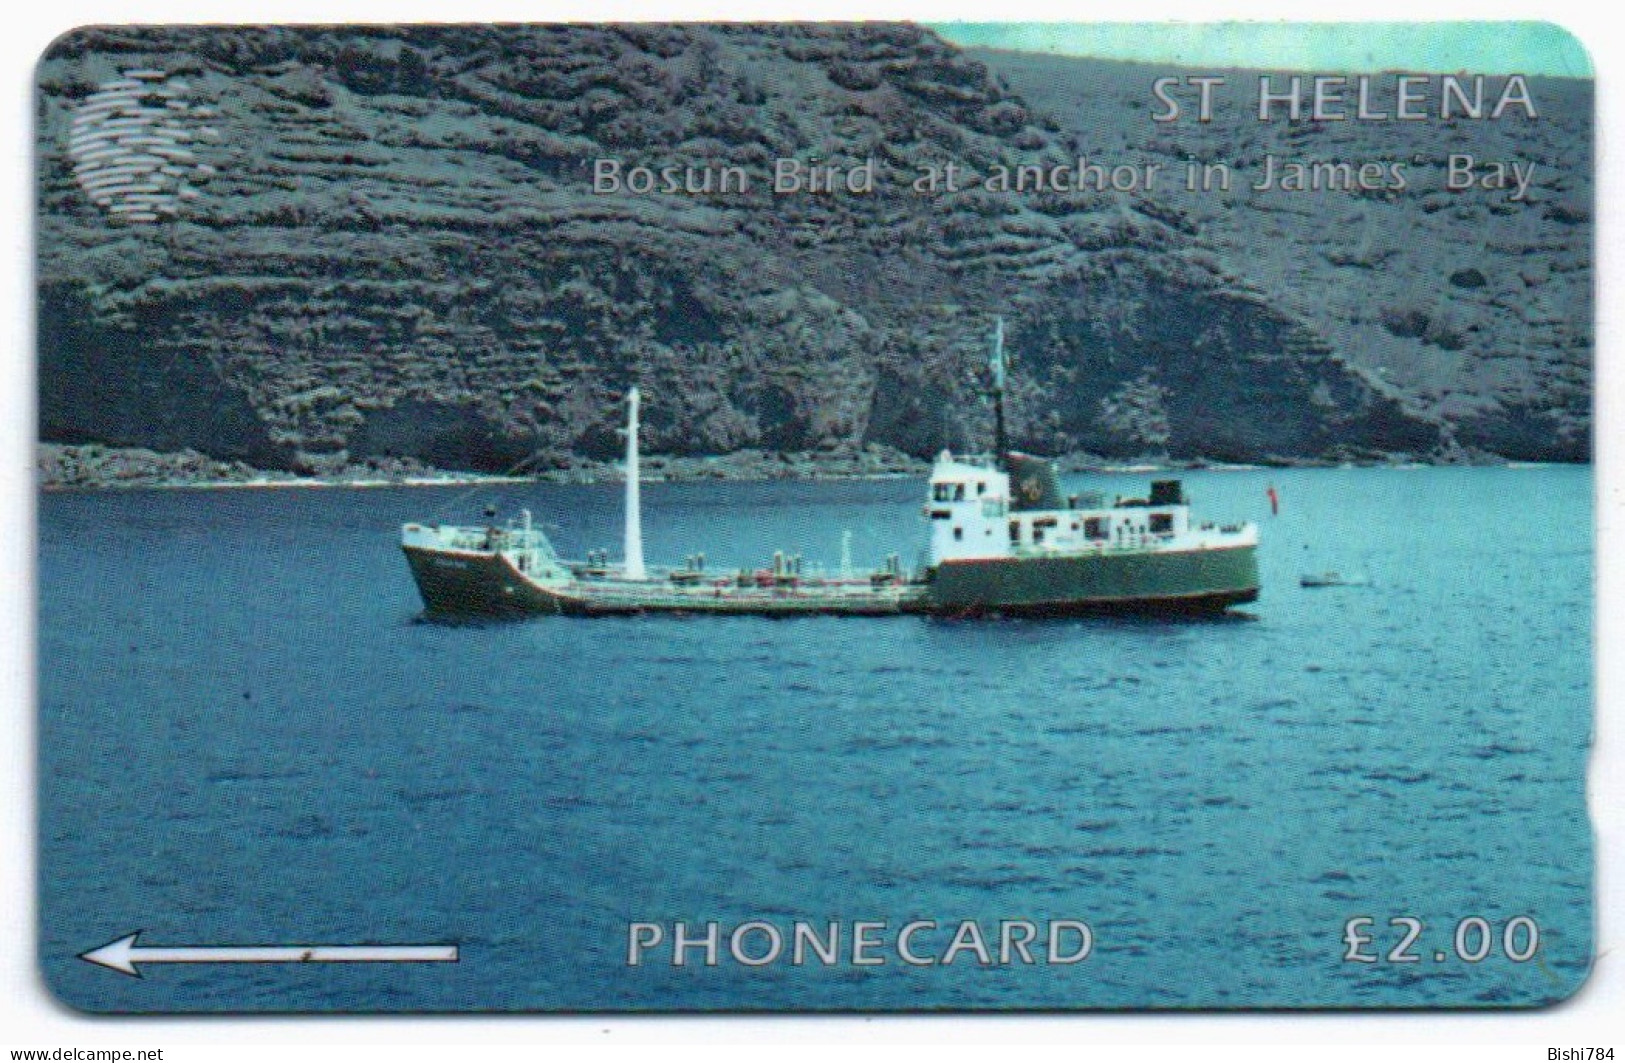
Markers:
point(967, 507)
point(975, 516)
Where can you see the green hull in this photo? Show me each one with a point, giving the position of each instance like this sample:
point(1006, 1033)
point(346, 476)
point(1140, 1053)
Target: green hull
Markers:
point(462, 583)
point(1133, 582)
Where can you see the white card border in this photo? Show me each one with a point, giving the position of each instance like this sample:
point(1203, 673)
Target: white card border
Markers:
point(30, 1018)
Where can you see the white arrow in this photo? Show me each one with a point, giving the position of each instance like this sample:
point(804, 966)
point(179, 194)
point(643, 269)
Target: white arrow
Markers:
point(123, 955)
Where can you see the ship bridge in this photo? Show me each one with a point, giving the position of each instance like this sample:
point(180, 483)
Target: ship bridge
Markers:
point(969, 498)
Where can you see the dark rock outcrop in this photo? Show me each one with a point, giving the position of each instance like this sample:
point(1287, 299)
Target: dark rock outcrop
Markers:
point(391, 250)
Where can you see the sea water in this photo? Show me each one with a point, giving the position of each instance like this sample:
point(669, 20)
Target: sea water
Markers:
point(249, 736)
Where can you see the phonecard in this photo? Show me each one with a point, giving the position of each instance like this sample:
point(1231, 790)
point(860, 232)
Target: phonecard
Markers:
point(809, 517)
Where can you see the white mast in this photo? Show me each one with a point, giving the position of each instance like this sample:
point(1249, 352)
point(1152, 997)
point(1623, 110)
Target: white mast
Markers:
point(634, 514)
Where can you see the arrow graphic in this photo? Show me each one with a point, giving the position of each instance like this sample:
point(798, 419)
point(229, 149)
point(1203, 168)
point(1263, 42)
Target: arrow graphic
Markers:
point(123, 955)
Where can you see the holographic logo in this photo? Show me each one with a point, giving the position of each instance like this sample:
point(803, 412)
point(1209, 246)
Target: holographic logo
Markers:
point(133, 145)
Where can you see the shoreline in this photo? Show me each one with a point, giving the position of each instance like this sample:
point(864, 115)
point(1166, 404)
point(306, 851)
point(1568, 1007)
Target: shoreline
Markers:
point(93, 467)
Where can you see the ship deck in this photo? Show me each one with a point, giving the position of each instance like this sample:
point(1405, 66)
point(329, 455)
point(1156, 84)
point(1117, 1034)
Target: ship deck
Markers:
point(812, 597)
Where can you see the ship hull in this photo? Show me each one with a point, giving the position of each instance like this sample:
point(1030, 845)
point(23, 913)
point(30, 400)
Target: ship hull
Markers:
point(1184, 581)
point(461, 583)
point(470, 584)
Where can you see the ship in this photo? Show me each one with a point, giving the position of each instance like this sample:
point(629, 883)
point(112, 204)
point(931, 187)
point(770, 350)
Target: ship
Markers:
point(1003, 541)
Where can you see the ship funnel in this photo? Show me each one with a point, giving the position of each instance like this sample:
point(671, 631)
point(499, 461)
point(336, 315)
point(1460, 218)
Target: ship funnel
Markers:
point(634, 511)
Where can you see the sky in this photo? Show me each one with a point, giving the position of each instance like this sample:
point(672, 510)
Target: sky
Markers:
point(1424, 47)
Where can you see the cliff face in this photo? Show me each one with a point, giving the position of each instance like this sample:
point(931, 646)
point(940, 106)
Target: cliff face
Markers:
point(386, 243)
point(1473, 308)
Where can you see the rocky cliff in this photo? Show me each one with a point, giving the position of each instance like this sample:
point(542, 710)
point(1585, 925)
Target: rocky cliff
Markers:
point(1471, 306)
point(306, 248)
